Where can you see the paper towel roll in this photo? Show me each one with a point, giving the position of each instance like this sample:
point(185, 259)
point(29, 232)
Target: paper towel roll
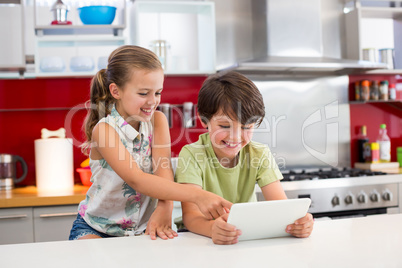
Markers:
point(54, 164)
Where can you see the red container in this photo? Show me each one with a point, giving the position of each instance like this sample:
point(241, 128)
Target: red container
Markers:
point(85, 175)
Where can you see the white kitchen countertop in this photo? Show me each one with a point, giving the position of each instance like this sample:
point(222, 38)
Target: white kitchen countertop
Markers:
point(374, 241)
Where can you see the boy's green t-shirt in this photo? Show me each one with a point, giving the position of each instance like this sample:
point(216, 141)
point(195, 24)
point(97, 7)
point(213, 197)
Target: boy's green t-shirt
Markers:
point(198, 165)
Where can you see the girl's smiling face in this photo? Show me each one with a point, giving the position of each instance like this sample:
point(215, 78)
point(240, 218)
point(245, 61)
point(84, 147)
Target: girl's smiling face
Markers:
point(140, 97)
point(228, 137)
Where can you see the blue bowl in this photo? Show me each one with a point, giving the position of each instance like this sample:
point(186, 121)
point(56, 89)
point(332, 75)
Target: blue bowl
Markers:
point(97, 14)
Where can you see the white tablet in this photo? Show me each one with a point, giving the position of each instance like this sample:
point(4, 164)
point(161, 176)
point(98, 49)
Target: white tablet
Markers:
point(267, 219)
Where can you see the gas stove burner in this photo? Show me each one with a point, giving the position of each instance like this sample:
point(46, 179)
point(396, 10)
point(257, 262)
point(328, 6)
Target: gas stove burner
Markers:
point(331, 173)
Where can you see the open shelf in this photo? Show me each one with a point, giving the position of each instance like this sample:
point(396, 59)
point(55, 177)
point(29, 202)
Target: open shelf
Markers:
point(392, 106)
point(381, 12)
point(361, 33)
point(96, 41)
point(116, 30)
point(68, 46)
point(385, 71)
point(43, 18)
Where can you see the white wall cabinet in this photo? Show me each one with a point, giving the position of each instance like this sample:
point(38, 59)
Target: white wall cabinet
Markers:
point(356, 40)
point(36, 224)
point(187, 26)
point(12, 52)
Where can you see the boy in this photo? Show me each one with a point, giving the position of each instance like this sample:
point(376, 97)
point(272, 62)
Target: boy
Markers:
point(225, 161)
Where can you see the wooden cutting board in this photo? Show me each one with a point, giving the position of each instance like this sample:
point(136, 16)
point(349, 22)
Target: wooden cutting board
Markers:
point(391, 167)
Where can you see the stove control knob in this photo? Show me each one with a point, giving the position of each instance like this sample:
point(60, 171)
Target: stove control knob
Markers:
point(335, 201)
point(387, 195)
point(375, 197)
point(362, 198)
point(349, 199)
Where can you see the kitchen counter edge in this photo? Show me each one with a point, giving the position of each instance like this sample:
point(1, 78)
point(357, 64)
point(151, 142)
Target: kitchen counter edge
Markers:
point(30, 196)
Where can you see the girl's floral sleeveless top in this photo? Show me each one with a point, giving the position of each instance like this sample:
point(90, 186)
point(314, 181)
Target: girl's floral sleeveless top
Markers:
point(111, 205)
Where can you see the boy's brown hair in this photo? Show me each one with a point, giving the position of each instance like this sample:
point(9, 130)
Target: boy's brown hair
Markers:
point(235, 95)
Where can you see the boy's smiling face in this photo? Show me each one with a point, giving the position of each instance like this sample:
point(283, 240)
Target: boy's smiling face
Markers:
point(228, 137)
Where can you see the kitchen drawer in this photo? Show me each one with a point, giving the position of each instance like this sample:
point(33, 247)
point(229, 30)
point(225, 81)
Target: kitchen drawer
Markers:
point(53, 223)
point(16, 225)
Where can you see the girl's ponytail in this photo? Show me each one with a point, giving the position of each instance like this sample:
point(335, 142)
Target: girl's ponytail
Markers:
point(100, 105)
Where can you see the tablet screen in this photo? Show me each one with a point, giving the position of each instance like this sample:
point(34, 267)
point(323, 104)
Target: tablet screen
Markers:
point(267, 219)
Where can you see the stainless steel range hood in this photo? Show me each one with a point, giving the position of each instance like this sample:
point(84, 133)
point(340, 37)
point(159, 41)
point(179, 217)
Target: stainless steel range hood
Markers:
point(277, 65)
point(294, 31)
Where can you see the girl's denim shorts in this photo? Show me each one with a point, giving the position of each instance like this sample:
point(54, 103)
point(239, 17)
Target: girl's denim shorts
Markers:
point(81, 228)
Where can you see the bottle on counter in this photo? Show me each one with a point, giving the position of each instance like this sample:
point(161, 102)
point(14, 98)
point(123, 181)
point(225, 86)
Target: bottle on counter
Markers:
point(371, 152)
point(374, 91)
point(361, 140)
point(385, 144)
point(365, 90)
point(392, 92)
point(399, 155)
point(384, 90)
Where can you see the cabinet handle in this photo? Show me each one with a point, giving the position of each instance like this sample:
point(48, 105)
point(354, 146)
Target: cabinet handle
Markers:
point(18, 216)
point(58, 215)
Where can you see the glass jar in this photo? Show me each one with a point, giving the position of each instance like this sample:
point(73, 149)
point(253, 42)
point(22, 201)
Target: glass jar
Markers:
point(384, 90)
point(365, 90)
point(374, 90)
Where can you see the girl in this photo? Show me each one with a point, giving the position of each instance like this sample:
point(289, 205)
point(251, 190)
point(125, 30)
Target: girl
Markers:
point(129, 146)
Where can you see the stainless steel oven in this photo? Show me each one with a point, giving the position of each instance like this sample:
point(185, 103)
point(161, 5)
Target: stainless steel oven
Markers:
point(347, 193)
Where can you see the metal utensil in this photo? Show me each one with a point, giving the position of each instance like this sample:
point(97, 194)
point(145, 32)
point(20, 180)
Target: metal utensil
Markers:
point(8, 171)
point(60, 11)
